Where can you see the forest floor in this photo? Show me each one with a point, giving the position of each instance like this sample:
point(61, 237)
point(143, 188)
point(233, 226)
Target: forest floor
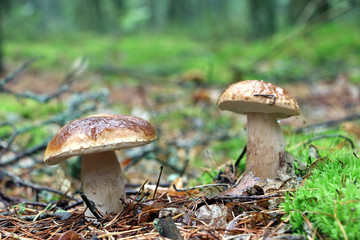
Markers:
point(191, 130)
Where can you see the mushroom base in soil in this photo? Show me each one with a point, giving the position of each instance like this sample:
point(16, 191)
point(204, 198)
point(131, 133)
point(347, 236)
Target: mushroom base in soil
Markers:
point(265, 144)
point(102, 182)
point(96, 138)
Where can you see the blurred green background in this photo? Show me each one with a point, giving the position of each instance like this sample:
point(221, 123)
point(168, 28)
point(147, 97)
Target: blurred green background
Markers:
point(227, 40)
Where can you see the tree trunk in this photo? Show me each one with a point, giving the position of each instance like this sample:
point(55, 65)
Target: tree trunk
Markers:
point(181, 11)
point(262, 18)
point(159, 13)
point(303, 11)
point(2, 69)
point(89, 15)
point(4, 4)
point(119, 4)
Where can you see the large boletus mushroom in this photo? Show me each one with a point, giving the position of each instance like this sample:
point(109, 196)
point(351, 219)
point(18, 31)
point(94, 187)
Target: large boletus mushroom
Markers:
point(96, 138)
point(263, 103)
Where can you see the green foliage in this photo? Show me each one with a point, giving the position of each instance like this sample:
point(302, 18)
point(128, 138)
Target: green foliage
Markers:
point(49, 198)
point(34, 137)
point(26, 108)
point(231, 147)
point(19, 208)
point(205, 178)
point(19, 111)
point(328, 197)
point(332, 49)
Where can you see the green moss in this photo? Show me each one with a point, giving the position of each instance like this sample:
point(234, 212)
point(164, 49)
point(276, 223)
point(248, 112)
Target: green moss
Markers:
point(331, 190)
point(26, 108)
point(23, 112)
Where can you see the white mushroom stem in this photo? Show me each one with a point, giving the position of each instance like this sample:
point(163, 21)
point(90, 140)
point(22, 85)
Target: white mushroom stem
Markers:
point(265, 145)
point(102, 182)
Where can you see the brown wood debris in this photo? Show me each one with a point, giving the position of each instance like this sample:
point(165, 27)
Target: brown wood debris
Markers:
point(247, 215)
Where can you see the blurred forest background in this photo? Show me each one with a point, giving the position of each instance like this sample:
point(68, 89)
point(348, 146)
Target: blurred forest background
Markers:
point(272, 39)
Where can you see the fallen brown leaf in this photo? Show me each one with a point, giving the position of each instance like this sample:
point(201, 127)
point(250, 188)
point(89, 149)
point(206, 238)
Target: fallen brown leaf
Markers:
point(70, 235)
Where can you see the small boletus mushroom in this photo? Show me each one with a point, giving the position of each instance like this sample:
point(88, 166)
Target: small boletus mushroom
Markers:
point(263, 103)
point(96, 138)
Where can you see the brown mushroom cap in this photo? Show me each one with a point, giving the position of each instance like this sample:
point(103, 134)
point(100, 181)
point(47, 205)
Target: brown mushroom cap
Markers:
point(98, 133)
point(258, 96)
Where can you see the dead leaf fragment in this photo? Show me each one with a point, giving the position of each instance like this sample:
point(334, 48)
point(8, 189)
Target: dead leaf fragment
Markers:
point(70, 235)
point(313, 152)
point(246, 182)
point(214, 215)
point(352, 128)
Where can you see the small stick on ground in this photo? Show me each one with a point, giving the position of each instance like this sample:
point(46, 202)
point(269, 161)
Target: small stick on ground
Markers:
point(91, 205)
point(331, 136)
point(238, 160)
point(158, 181)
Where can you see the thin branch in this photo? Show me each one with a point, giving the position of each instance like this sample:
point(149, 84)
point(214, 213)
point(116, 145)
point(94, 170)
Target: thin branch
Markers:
point(158, 181)
point(18, 181)
point(43, 98)
point(214, 185)
point(25, 153)
point(303, 31)
point(246, 198)
point(77, 107)
point(12, 75)
point(331, 136)
point(238, 160)
point(91, 206)
point(327, 124)
point(11, 139)
point(7, 199)
point(77, 203)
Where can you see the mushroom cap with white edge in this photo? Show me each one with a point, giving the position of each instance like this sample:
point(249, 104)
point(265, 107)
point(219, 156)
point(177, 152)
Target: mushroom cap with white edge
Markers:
point(98, 133)
point(258, 96)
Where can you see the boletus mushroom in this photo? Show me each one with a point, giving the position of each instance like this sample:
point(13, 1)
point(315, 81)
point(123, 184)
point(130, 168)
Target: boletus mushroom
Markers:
point(96, 138)
point(263, 103)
